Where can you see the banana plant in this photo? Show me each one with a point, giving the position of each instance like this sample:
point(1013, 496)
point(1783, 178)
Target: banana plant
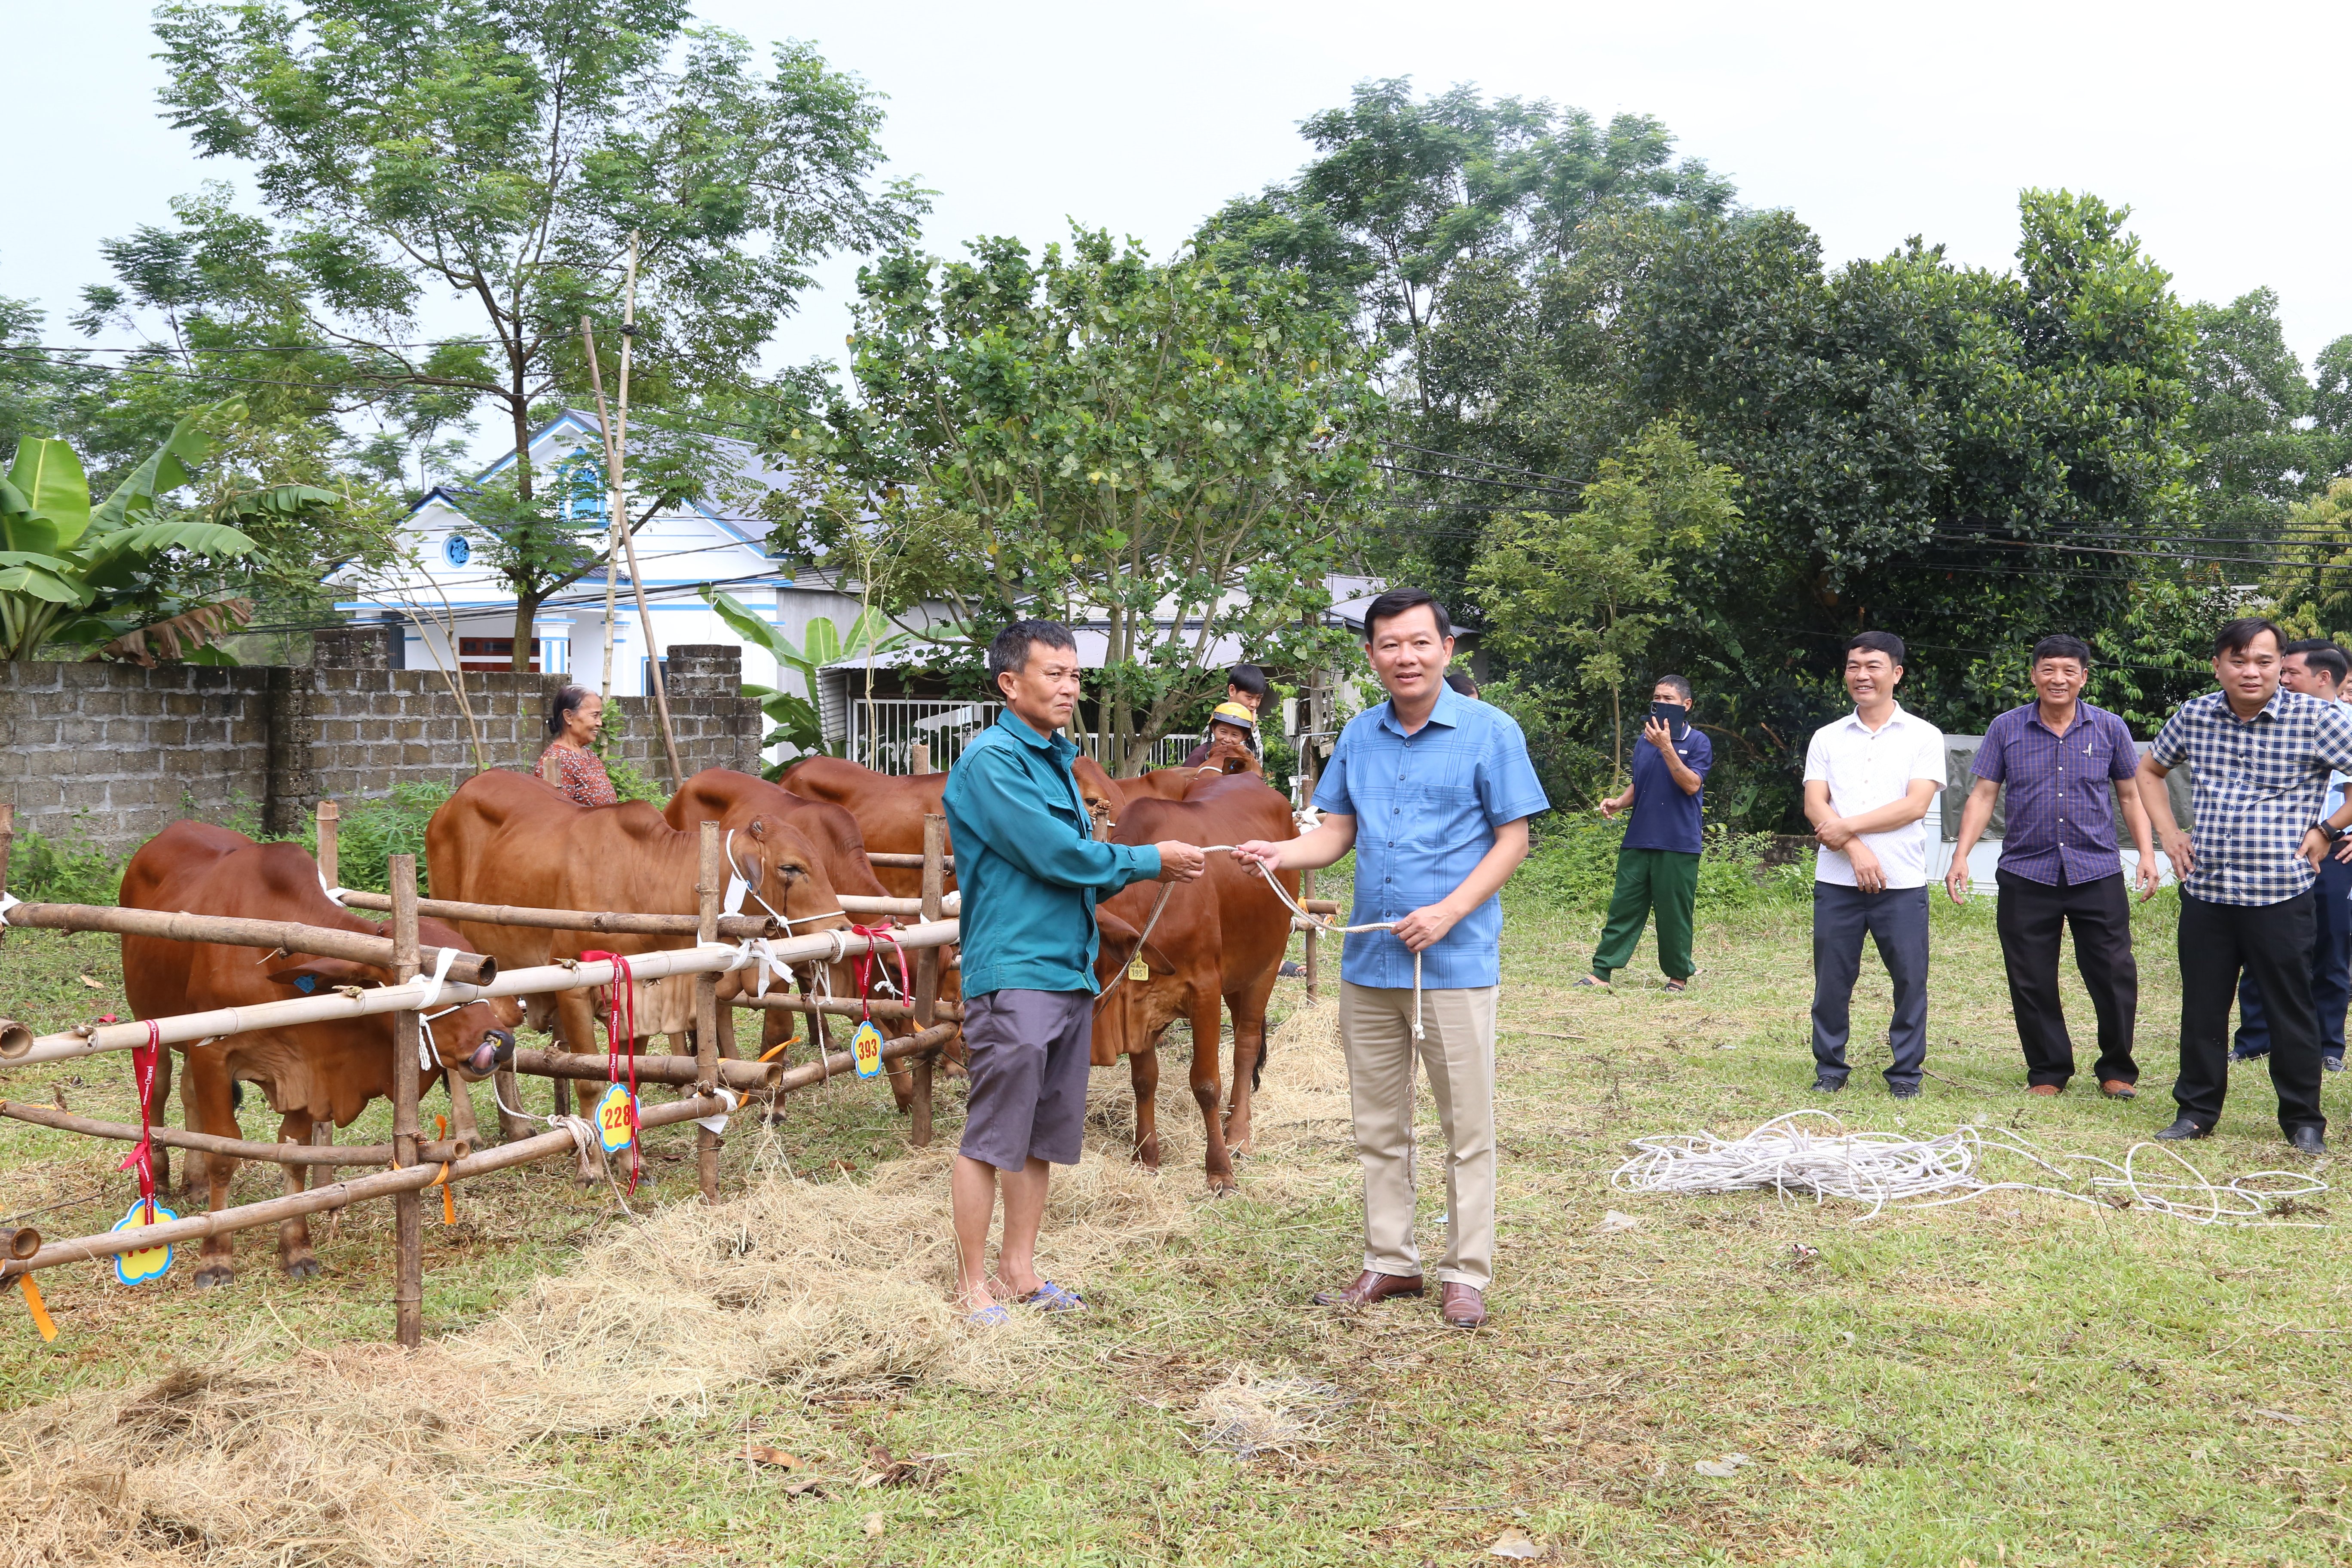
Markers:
point(69, 569)
point(795, 717)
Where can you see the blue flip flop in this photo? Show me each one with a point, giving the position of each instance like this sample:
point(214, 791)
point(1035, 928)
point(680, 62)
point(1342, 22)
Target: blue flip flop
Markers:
point(1051, 1298)
point(992, 1316)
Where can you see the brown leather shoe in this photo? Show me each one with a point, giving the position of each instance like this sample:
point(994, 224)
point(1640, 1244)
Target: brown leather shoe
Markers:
point(1369, 1288)
point(2117, 1089)
point(1461, 1307)
point(2044, 1088)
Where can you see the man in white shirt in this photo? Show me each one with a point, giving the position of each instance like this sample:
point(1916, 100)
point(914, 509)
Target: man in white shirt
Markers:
point(1871, 778)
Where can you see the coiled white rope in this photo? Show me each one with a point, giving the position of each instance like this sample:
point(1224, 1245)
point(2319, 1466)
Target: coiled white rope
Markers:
point(1811, 1152)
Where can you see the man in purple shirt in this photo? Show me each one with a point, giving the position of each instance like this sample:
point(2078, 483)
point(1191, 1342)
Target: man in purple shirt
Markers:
point(2060, 865)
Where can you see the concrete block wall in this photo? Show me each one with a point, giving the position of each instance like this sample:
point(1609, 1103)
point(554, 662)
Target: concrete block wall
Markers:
point(118, 753)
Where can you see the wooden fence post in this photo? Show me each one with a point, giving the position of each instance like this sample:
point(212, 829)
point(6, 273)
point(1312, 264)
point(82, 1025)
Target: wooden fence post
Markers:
point(920, 751)
point(408, 1032)
point(927, 978)
point(1314, 939)
point(329, 857)
point(710, 887)
point(7, 833)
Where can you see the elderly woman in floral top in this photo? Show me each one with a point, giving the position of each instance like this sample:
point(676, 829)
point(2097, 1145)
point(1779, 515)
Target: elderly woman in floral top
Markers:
point(574, 719)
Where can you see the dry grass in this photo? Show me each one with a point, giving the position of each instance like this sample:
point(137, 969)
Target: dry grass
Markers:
point(364, 1456)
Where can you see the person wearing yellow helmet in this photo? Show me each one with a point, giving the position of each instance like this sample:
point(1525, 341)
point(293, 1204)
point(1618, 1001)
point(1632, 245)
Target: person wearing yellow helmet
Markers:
point(1245, 689)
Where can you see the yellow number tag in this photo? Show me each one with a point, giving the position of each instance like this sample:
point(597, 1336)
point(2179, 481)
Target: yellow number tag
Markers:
point(149, 1263)
point(866, 1048)
point(612, 1120)
point(1138, 970)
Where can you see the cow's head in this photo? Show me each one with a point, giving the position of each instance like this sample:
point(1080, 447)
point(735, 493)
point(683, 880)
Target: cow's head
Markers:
point(1132, 1013)
point(472, 1040)
point(1229, 754)
point(783, 876)
point(1094, 788)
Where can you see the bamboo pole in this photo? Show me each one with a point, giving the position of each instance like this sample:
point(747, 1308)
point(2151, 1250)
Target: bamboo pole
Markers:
point(289, 936)
point(1313, 943)
point(329, 815)
point(920, 754)
point(20, 1243)
point(7, 836)
point(927, 976)
point(903, 862)
point(286, 1153)
point(407, 1036)
point(731, 928)
point(538, 979)
point(744, 1078)
point(482, 1162)
point(708, 886)
point(789, 1002)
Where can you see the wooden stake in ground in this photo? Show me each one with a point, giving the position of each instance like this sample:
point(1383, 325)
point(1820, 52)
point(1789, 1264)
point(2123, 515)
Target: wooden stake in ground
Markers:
point(708, 887)
point(1314, 971)
point(927, 978)
point(407, 1035)
point(330, 855)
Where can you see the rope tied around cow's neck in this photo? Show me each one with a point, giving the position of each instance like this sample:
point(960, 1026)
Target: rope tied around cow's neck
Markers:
point(1322, 923)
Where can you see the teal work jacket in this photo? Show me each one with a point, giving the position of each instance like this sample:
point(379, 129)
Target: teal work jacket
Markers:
point(1028, 863)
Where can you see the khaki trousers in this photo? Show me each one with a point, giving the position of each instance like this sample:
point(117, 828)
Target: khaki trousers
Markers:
point(1376, 1029)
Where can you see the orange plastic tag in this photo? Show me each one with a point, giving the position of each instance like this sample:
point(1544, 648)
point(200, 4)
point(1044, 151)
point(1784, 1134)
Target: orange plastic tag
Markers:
point(34, 1304)
point(866, 1050)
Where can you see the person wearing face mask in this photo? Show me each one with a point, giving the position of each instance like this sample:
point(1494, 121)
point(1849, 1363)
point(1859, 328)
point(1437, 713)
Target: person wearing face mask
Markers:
point(1657, 865)
point(1871, 779)
point(2061, 759)
point(2315, 668)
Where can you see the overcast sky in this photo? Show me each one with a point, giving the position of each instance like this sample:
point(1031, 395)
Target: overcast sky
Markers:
point(2220, 126)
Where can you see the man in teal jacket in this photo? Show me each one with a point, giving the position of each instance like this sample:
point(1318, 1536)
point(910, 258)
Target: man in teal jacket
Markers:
point(1030, 868)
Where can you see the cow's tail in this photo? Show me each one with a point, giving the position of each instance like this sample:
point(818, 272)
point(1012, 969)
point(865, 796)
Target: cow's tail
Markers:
point(1257, 1068)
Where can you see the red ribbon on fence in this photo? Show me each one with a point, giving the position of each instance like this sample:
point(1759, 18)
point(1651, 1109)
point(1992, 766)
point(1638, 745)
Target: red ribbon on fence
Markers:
point(875, 934)
point(142, 1158)
point(621, 1025)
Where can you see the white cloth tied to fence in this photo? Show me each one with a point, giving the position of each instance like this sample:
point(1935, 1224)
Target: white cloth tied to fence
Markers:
point(1811, 1152)
point(7, 902)
point(432, 993)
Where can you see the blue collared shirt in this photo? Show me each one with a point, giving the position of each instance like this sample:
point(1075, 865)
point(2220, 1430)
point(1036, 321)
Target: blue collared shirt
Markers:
point(2061, 823)
point(1027, 862)
point(1426, 807)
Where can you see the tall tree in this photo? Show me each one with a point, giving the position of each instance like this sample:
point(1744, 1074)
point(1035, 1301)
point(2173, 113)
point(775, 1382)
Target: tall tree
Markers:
point(495, 157)
point(1168, 452)
point(2257, 452)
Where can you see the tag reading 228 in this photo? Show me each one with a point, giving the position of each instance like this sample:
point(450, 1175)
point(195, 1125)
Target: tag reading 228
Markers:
point(865, 1049)
point(148, 1263)
point(612, 1120)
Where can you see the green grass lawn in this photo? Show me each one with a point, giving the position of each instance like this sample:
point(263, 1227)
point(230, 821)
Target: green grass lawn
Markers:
point(2017, 1380)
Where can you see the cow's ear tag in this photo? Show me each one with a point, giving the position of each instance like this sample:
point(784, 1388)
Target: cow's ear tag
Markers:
point(148, 1263)
point(1138, 970)
point(866, 1050)
point(305, 983)
point(616, 1123)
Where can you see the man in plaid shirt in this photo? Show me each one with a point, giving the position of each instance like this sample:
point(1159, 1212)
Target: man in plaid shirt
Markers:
point(2261, 757)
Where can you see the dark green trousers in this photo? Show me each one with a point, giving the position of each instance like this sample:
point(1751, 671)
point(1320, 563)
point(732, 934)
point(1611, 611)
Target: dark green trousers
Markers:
point(1661, 880)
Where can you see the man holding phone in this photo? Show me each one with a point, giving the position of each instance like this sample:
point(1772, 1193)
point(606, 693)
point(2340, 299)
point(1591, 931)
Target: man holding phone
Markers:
point(1657, 865)
point(1871, 779)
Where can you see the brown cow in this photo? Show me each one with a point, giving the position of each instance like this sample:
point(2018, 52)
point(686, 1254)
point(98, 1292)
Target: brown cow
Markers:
point(891, 808)
point(712, 794)
point(309, 1072)
point(1226, 757)
point(1220, 937)
point(506, 837)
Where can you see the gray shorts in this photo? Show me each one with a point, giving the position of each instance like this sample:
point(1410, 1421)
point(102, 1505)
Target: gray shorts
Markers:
point(1028, 1052)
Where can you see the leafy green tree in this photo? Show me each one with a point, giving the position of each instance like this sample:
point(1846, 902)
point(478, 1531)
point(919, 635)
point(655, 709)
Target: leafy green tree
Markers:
point(2257, 453)
point(1583, 589)
point(1170, 453)
point(795, 716)
point(2311, 588)
point(79, 573)
point(502, 154)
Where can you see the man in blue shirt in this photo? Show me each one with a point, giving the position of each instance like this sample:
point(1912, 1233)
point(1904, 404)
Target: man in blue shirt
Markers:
point(1029, 868)
point(1432, 791)
point(1657, 865)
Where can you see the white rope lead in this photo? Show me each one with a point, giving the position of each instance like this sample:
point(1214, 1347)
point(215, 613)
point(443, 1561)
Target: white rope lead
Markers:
point(1329, 928)
point(1811, 1151)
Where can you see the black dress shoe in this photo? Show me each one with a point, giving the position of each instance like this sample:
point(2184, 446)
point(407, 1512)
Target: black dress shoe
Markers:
point(2333, 1062)
point(2239, 1054)
point(1904, 1091)
point(2308, 1140)
point(2184, 1130)
point(1823, 1085)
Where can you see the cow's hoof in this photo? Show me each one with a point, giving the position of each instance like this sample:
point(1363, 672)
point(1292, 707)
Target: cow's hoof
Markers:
point(302, 1269)
point(1223, 1186)
point(213, 1274)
